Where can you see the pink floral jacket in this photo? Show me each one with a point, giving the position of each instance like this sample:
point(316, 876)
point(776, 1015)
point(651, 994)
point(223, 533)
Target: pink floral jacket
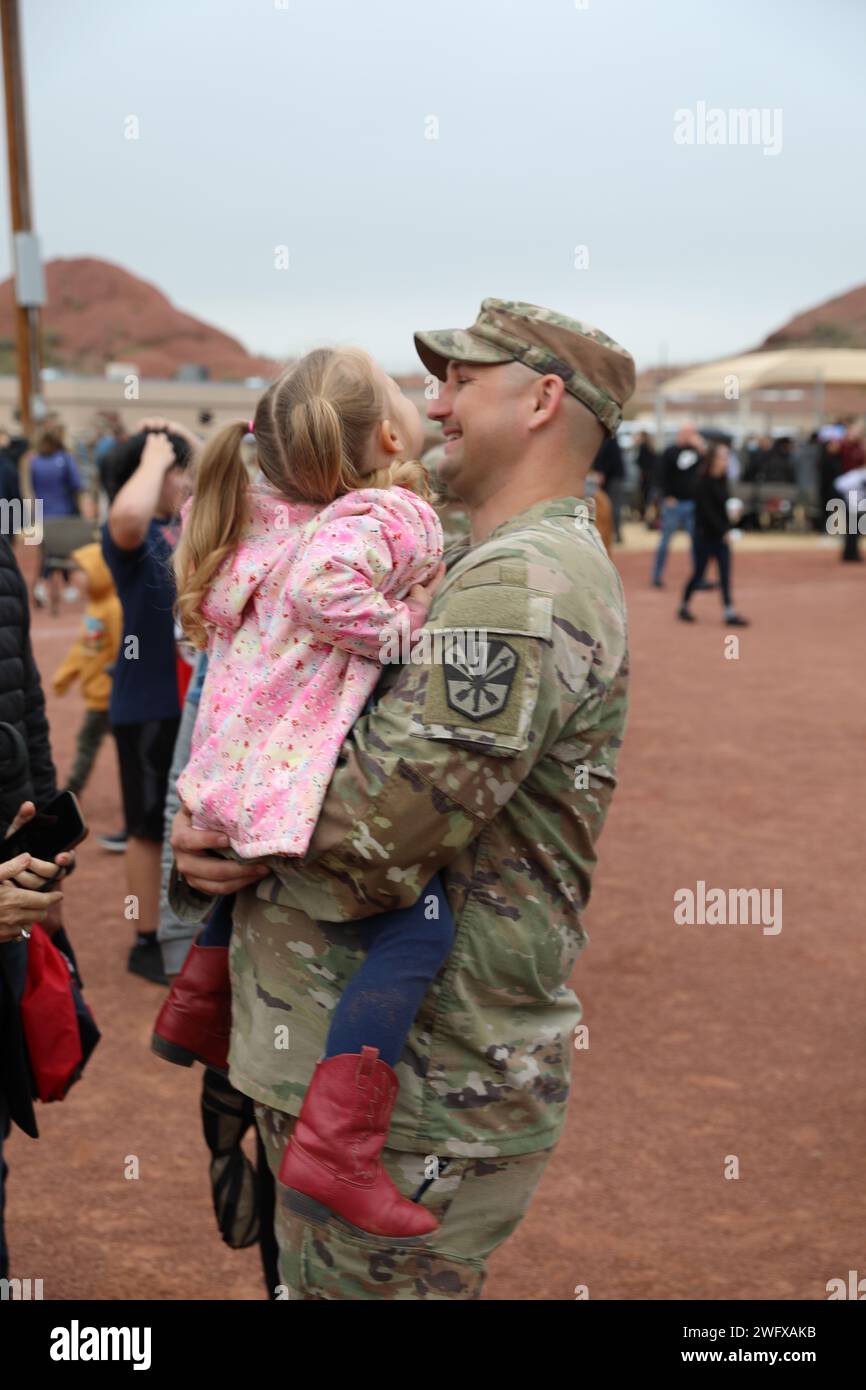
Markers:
point(298, 616)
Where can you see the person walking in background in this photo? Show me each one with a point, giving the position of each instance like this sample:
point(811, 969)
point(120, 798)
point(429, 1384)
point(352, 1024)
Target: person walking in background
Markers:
point(57, 484)
point(146, 482)
point(711, 527)
point(679, 470)
point(646, 461)
point(610, 466)
point(851, 487)
point(89, 658)
point(807, 453)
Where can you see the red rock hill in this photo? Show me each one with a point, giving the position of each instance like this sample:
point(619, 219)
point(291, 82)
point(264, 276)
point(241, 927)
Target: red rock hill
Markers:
point(98, 313)
point(838, 322)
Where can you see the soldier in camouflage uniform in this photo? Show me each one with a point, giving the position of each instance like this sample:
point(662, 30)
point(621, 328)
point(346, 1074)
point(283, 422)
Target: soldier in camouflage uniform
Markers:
point(494, 765)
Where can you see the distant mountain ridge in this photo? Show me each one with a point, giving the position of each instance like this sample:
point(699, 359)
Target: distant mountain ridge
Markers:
point(837, 322)
point(98, 312)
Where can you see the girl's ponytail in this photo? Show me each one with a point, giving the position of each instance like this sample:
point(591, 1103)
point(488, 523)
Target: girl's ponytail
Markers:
point(213, 527)
point(318, 450)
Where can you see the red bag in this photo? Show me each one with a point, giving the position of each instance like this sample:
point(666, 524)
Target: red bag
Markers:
point(49, 1019)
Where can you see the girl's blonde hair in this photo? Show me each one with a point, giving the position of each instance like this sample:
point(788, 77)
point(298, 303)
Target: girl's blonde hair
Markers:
point(312, 428)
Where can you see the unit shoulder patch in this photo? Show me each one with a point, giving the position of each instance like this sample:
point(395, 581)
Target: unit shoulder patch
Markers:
point(478, 683)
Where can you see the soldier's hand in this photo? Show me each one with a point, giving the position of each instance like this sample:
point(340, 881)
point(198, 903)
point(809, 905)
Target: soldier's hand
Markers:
point(201, 868)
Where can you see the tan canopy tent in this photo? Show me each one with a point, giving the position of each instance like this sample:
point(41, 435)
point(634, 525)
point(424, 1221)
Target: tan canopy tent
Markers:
point(727, 385)
point(756, 370)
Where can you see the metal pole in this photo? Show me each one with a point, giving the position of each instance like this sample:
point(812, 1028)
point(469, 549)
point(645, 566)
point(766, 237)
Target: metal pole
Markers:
point(819, 398)
point(26, 315)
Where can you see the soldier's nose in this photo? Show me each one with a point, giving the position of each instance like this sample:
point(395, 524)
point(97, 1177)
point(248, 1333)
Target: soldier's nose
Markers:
point(439, 406)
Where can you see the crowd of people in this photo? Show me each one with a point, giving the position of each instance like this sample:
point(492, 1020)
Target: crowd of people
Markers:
point(287, 795)
point(807, 471)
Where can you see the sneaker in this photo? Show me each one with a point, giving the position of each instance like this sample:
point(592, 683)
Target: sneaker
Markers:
point(115, 843)
point(40, 594)
point(145, 959)
point(684, 615)
point(658, 584)
point(70, 595)
point(736, 621)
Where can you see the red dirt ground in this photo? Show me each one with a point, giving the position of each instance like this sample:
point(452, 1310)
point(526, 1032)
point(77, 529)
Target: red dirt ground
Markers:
point(705, 1041)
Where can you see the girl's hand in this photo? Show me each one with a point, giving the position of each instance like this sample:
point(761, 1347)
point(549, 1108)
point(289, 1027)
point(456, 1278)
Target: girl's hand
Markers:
point(420, 596)
point(19, 907)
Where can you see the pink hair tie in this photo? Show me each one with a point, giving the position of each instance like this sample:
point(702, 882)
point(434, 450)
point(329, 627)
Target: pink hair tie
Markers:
point(250, 429)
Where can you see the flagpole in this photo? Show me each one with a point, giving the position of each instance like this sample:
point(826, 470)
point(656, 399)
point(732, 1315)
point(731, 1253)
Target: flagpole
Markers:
point(29, 287)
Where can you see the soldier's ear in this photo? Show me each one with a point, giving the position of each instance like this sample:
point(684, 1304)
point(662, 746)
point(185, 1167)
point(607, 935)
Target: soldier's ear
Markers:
point(548, 392)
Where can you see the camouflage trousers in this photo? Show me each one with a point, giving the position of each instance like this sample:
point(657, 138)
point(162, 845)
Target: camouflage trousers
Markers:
point(478, 1201)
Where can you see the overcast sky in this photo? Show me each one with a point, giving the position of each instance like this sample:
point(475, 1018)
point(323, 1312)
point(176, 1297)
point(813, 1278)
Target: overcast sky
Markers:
point(304, 124)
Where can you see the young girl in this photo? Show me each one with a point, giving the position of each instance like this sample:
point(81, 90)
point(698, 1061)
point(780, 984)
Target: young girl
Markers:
point(296, 580)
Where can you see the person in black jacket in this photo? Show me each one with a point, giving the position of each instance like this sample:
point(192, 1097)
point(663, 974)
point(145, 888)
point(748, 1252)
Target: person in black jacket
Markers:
point(26, 776)
point(678, 473)
point(610, 468)
point(10, 484)
point(647, 467)
point(711, 527)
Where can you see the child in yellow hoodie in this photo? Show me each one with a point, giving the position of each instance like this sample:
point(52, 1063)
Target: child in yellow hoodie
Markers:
point(96, 650)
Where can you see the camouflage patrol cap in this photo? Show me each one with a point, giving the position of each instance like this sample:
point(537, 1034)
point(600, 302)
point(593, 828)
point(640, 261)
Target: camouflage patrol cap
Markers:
point(594, 368)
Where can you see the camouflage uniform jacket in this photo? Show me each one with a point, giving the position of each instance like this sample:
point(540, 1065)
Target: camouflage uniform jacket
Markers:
point(497, 769)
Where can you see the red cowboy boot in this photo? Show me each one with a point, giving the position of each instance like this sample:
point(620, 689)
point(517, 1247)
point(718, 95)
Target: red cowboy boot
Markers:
point(195, 1021)
point(332, 1163)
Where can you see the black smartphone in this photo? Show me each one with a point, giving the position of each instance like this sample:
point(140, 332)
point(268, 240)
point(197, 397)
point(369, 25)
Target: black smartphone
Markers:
point(57, 827)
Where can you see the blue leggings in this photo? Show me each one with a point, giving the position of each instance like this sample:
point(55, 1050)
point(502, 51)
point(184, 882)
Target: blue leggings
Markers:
point(405, 950)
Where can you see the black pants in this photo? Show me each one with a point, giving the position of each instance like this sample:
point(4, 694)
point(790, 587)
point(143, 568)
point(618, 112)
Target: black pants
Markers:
point(707, 549)
point(94, 729)
point(144, 752)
